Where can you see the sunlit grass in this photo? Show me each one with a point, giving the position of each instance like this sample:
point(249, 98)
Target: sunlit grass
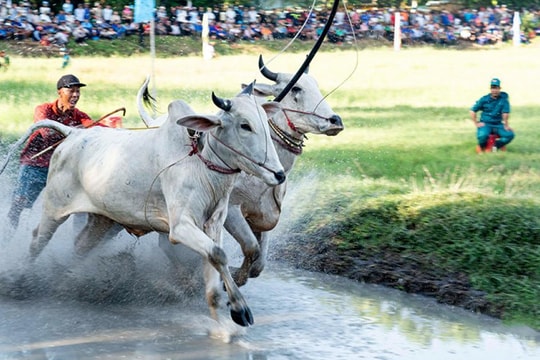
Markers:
point(403, 111)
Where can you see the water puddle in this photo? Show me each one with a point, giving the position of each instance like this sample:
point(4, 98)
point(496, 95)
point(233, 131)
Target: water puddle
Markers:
point(298, 315)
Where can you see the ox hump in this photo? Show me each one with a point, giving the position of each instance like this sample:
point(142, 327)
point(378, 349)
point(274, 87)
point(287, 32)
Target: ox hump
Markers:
point(181, 113)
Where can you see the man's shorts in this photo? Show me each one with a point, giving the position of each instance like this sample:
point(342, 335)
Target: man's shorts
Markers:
point(31, 181)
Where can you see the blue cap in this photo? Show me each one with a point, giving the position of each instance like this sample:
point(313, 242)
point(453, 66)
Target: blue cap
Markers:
point(495, 82)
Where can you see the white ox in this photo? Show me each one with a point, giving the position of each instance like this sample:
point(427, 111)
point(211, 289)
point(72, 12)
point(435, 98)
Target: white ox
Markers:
point(147, 181)
point(255, 207)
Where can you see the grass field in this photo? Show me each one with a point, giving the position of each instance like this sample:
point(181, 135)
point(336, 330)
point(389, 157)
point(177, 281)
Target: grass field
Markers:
point(407, 110)
point(408, 134)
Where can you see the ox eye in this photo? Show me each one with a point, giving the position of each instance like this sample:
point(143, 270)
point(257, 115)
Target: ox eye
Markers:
point(246, 127)
point(295, 91)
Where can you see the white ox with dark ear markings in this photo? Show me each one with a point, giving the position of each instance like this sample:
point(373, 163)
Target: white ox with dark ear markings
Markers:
point(254, 207)
point(147, 181)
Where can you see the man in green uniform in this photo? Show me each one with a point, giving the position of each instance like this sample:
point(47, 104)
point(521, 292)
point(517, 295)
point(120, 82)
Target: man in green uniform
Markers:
point(495, 108)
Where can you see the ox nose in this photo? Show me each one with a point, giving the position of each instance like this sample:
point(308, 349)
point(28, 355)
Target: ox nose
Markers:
point(280, 176)
point(336, 120)
point(336, 125)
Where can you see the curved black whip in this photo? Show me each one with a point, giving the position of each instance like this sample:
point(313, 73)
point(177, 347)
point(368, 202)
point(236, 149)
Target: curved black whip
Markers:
point(311, 54)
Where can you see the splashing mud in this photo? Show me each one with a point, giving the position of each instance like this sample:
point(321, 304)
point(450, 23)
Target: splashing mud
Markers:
point(125, 300)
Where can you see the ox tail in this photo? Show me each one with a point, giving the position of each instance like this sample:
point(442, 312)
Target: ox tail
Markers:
point(145, 100)
point(49, 124)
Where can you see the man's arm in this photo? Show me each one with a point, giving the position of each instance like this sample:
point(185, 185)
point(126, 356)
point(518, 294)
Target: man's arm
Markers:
point(41, 112)
point(474, 109)
point(474, 119)
point(473, 115)
point(506, 112)
point(83, 118)
point(505, 117)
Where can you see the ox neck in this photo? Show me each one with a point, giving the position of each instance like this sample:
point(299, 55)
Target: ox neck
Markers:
point(227, 170)
point(292, 142)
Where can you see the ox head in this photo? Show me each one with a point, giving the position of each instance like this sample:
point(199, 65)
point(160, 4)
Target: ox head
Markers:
point(292, 84)
point(303, 105)
point(238, 136)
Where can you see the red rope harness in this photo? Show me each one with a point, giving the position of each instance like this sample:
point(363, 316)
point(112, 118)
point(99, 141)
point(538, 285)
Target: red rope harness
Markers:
point(208, 163)
point(286, 140)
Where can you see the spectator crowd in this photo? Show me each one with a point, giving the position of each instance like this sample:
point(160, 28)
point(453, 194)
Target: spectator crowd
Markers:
point(83, 22)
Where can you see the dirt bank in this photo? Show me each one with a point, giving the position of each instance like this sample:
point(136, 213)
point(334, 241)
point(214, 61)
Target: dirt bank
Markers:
point(416, 274)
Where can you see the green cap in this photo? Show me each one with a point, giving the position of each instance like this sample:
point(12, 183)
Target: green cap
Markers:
point(495, 82)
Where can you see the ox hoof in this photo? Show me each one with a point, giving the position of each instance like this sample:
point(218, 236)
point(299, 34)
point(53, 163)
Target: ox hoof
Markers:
point(255, 271)
point(239, 277)
point(244, 317)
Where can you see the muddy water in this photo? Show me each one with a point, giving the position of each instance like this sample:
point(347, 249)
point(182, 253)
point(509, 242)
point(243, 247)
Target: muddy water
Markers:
point(127, 303)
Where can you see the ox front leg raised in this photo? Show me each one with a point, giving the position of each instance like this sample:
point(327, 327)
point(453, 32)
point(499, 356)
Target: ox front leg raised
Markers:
point(213, 227)
point(215, 266)
point(240, 312)
point(207, 244)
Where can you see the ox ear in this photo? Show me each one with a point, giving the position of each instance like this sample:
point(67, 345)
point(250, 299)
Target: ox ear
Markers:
point(271, 108)
point(248, 89)
point(199, 122)
point(262, 90)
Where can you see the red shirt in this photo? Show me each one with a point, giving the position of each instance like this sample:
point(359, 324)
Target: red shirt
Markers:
point(43, 138)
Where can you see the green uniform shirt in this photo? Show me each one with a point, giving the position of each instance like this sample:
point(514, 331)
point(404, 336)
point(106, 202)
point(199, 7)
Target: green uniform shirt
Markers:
point(492, 109)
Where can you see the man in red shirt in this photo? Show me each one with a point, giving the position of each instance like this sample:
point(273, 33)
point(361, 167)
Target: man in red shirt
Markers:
point(35, 166)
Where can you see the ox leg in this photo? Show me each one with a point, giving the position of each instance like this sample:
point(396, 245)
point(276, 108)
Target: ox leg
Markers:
point(213, 227)
point(43, 233)
point(260, 262)
point(211, 277)
point(240, 312)
point(93, 232)
point(238, 227)
point(214, 256)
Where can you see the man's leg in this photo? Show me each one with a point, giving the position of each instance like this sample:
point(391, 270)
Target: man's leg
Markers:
point(17, 206)
point(506, 136)
point(482, 134)
point(31, 181)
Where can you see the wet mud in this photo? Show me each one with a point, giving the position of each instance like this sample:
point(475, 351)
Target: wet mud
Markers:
point(416, 275)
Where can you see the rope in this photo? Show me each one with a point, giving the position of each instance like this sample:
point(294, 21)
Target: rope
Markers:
point(311, 54)
point(357, 51)
point(295, 35)
point(150, 190)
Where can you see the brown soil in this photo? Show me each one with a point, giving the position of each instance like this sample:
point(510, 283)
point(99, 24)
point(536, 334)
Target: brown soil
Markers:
point(414, 275)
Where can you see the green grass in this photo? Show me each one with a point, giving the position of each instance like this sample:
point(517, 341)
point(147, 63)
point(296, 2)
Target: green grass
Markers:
point(403, 175)
point(392, 143)
point(494, 240)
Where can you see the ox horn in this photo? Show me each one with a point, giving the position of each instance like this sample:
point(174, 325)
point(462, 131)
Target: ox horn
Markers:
point(223, 104)
point(265, 71)
point(270, 75)
point(248, 90)
point(311, 53)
